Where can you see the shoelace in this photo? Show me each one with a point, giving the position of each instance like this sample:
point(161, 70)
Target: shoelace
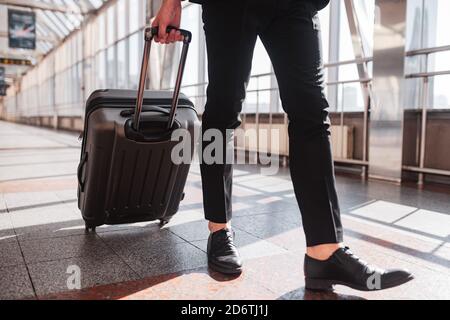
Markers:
point(355, 257)
point(370, 269)
point(226, 242)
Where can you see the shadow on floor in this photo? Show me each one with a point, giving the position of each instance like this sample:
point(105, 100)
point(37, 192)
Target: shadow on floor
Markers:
point(121, 289)
point(40, 177)
point(259, 220)
point(38, 205)
point(154, 288)
point(303, 294)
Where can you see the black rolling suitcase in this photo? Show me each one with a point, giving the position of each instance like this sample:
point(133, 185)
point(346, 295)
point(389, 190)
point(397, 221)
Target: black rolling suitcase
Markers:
point(126, 173)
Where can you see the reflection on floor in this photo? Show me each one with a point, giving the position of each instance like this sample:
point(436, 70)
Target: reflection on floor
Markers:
point(42, 235)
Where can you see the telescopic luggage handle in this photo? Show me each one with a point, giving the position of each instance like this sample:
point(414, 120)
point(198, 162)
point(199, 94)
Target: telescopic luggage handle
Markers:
point(150, 33)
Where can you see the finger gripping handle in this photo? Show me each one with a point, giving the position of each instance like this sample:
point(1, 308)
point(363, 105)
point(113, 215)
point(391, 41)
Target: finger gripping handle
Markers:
point(153, 31)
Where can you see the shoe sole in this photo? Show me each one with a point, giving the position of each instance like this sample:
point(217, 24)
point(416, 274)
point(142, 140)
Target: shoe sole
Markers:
point(219, 269)
point(327, 285)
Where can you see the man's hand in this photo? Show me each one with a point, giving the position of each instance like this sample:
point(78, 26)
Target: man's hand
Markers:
point(168, 15)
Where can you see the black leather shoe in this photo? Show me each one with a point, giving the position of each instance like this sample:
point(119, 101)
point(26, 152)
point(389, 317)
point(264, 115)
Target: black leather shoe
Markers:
point(223, 256)
point(344, 268)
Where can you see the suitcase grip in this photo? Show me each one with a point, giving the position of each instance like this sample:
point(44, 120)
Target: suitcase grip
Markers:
point(149, 35)
point(186, 34)
point(129, 112)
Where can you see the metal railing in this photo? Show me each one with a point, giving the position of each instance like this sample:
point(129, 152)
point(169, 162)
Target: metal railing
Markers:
point(366, 86)
point(425, 76)
point(365, 83)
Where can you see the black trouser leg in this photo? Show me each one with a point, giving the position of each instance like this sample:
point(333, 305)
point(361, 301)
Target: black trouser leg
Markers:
point(292, 40)
point(230, 52)
point(290, 33)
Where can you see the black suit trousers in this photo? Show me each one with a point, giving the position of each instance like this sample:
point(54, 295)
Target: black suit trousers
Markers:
point(290, 32)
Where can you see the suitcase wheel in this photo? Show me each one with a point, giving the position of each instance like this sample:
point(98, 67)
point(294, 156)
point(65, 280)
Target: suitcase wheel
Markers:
point(89, 228)
point(163, 222)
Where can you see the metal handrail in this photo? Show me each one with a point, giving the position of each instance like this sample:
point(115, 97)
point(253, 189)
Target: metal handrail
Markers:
point(423, 51)
point(347, 62)
point(326, 65)
point(333, 83)
point(365, 81)
point(425, 76)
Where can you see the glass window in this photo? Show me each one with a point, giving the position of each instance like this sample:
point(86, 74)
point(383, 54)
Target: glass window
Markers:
point(89, 77)
point(122, 74)
point(436, 23)
point(365, 11)
point(110, 68)
point(350, 97)
point(325, 32)
point(439, 61)
point(100, 70)
point(412, 100)
point(250, 105)
point(134, 58)
point(345, 39)
point(427, 25)
point(78, 97)
point(79, 46)
point(133, 15)
point(121, 18)
point(191, 21)
point(58, 97)
point(46, 97)
point(96, 3)
point(88, 43)
point(414, 25)
point(101, 31)
point(261, 61)
point(111, 26)
point(440, 95)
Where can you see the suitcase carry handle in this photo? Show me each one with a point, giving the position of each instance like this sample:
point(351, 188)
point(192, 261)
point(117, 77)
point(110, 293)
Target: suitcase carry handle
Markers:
point(161, 134)
point(187, 35)
point(150, 33)
point(130, 112)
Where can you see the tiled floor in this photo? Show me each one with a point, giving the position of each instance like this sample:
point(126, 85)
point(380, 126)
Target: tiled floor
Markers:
point(42, 238)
